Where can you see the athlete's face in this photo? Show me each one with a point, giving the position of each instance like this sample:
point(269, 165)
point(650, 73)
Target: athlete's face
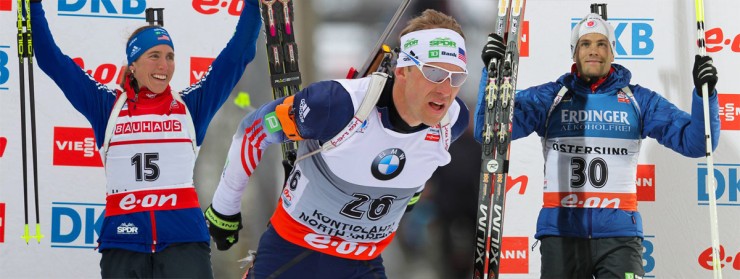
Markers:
point(419, 100)
point(594, 56)
point(154, 68)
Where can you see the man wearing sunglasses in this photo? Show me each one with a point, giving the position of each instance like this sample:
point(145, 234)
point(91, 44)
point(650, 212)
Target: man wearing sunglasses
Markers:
point(592, 122)
point(367, 147)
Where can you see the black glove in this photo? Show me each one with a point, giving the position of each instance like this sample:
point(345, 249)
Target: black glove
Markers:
point(704, 72)
point(494, 48)
point(223, 229)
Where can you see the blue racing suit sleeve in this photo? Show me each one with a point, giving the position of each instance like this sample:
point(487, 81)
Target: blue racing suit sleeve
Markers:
point(674, 128)
point(92, 99)
point(205, 97)
point(321, 111)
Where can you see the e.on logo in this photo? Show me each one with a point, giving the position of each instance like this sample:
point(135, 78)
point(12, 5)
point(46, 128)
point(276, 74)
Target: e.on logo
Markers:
point(715, 38)
point(515, 255)
point(104, 73)
point(130, 202)
point(645, 182)
point(705, 259)
point(75, 147)
point(209, 7)
point(729, 111)
point(199, 67)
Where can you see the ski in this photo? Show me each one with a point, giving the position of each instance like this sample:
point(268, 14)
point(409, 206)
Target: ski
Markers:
point(381, 55)
point(500, 89)
point(282, 56)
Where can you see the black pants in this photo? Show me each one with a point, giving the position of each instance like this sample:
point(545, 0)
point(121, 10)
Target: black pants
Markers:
point(180, 260)
point(567, 257)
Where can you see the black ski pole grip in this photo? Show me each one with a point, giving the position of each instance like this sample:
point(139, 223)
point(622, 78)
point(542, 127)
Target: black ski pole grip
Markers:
point(155, 15)
point(599, 9)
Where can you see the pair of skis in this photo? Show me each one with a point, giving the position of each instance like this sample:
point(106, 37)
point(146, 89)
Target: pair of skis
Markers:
point(25, 52)
point(499, 111)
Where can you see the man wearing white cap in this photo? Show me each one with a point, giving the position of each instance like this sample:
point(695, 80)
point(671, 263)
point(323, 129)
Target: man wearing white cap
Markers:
point(367, 148)
point(592, 122)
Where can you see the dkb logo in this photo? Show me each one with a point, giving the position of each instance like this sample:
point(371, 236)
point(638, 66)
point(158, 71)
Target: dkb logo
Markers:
point(727, 180)
point(4, 72)
point(126, 9)
point(75, 225)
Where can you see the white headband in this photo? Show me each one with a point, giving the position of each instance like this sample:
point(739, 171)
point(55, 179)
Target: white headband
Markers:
point(433, 45)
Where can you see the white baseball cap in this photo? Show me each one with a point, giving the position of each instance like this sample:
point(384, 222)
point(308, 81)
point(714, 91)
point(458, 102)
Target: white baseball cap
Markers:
point(592, 23)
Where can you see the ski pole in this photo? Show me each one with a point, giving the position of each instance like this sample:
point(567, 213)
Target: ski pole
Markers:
point(32, 104)
point(25, 50)
point(155, 16)
point(380, 51)
point(21, 73)
point(710, 182)
point(599, 9)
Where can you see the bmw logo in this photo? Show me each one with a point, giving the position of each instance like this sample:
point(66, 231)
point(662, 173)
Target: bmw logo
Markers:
point(388, 164)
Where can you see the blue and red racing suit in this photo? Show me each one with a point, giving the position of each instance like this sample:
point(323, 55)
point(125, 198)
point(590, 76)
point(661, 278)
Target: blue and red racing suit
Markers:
point(150, 209)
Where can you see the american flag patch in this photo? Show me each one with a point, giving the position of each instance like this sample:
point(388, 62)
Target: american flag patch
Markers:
point(461, 55)
point(622, 98)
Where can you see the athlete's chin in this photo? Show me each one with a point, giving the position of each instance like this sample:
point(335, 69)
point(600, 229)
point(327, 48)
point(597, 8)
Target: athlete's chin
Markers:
point(593, 73)
point(432, 120)
point(157, 89)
